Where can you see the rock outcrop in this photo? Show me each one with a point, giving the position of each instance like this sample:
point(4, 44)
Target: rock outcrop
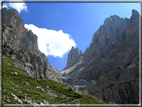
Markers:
point(112, 61)
point(11, 17)
point(73, 57)
point(21, 44)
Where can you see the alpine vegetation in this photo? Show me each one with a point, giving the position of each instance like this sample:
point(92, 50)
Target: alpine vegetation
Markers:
point(107, 72)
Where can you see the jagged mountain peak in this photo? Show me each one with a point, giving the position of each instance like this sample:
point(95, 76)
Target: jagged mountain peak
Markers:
point(135, 13)
point(135, 16)
point(74, 49)
point(73, 57)
point(110, 61)
point(113, 18)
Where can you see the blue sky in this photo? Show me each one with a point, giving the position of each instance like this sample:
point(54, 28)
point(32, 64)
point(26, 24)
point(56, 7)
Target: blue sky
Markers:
point(59, 26)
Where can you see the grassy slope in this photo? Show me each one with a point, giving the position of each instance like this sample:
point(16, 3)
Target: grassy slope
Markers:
point(38, 90)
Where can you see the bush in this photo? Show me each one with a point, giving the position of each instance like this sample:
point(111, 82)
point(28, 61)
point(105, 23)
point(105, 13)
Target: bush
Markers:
point(10, 26)
point(70, 89)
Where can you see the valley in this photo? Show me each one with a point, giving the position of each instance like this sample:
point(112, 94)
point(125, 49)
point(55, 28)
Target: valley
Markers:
point(106, 73)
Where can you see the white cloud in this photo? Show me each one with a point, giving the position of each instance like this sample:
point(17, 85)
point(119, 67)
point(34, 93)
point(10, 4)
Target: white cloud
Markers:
point(18, 6)
point(52, 42)
point(21, 6)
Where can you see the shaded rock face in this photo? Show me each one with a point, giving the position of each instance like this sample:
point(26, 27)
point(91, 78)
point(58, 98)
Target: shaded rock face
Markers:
point(112, 61)
point(73, 57)
point(119, 86)
point(11, 17)
point(21, 44)
point(110, 45)
point(30, 41)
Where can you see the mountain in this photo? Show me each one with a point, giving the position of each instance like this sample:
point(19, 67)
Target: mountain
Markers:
point(19, 43)
point(109, 68)
point(28, 77)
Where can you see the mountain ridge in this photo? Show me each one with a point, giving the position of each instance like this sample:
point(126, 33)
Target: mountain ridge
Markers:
point(113, 52)
point(108, 69)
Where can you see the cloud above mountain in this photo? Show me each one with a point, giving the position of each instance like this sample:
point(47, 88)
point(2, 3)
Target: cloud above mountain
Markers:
point(21, 6)
point(51, 42)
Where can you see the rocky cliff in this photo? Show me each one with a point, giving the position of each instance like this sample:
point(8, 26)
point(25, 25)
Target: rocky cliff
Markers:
point(112, 42)
point(111, 61)
point(73, 57)
point(21, 44)
point(120, 83)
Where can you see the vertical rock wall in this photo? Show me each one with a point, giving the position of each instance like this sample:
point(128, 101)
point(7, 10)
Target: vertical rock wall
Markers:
point(21, 44)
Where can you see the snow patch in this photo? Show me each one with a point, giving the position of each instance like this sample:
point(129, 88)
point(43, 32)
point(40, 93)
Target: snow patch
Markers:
point(77, 73)
point(81, 69)
point(83, 80)
point(92, 80)
point(66, 78)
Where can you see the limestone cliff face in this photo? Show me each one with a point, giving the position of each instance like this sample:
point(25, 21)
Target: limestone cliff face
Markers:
point(111, 61)
point(120, 83)
point(110, 45)
point(11, 17)
point(73, 57)
point(21, 44)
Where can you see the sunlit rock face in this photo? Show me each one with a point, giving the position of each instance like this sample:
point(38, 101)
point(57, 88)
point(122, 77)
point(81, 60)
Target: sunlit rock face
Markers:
point(21, 44)
point(111, 62)
point(11, 17)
